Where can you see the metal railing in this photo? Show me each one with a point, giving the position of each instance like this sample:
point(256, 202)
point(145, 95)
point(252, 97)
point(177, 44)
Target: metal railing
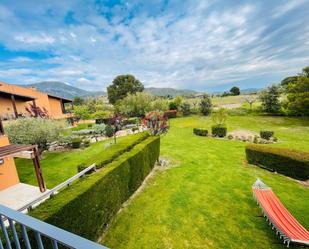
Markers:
point(43, 233)
point(53, 191)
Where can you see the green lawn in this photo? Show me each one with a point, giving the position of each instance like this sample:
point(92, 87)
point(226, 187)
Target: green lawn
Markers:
point(59, 166)
point(204, 199)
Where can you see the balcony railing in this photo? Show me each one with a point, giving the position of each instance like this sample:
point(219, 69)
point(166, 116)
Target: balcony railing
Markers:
point(43, 233)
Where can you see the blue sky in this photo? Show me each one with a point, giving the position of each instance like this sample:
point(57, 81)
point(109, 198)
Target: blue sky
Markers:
point(202, 45)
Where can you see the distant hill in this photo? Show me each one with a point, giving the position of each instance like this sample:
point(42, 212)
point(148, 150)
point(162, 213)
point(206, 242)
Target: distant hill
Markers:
point(63, 90)
point(156, 91)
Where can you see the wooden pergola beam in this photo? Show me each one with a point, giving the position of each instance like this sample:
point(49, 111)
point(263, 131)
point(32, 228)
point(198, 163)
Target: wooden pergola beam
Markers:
point(14, 105)
point(1, 127)
point(12, 150)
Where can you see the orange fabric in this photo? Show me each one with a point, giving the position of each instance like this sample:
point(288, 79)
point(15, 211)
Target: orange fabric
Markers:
point(280, 216)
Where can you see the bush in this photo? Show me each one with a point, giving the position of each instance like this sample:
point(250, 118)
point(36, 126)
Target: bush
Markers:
point(96, 199)
point(81, 167)
point(35, 131)
point(185, 108)
point(86, 142)
point(285, 161)
point(205, 105)
point(109, 132)
point(219, 130)
point(172, 106)
point(76, 142)
point(170, 114)
point(200, 131)
point(266, 134)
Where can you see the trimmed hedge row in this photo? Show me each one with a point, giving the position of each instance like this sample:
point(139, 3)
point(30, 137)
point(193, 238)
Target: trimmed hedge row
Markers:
point(120, 148)
point(285, 161)
point(87, 207)
point(200, 132)
point(218, 130)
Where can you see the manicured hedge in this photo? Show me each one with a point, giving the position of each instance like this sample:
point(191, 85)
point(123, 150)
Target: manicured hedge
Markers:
point(200, 131)
point(218, 130)
point(118, 149)
point(285, 161)
point(170, 114)
point(87, 207)
point(266, 134)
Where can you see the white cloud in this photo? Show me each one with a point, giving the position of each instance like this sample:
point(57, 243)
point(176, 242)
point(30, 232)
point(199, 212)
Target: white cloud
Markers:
point(31, 39)
point(288, 6)
point(189, 44)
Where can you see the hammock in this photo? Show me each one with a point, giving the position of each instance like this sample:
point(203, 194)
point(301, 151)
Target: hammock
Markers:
point(287, 227)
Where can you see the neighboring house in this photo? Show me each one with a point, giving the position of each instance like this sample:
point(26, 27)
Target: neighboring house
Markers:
point(15, 100)
point(8, 172)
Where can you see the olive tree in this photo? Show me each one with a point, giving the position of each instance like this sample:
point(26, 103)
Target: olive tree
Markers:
point(36, 131)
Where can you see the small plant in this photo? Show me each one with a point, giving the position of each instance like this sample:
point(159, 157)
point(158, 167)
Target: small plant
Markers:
point(230, 137)
point(219, 117)
point(219, 130)
point(81, 167)
point(200, 132)
point(109, 131)
point(86, 142)
point(256, 139)
point(76, 142)
point(266, 134)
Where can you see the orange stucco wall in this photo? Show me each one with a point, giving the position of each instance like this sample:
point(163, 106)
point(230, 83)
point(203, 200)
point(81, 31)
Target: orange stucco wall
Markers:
point(51, 105)
point(8, 172)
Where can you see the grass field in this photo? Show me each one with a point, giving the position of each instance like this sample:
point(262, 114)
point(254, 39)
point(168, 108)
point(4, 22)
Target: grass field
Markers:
point(59, 166)
point(203, 199)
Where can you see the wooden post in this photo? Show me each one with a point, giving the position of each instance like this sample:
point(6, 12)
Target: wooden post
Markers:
point(14, 105)
point(62, 106)
point(35, 108)
point(1, 127)
point(38, 170)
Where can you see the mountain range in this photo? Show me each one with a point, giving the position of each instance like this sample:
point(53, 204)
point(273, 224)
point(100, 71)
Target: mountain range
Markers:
point(70, 92)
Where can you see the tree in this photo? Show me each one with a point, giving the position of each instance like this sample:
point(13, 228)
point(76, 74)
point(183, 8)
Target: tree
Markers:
point(36, 131)
point(205, 105)
point(159, 104)
point(298, 97)
point(78, 101)
point(135, 104)
point(270, 99)
point(235, 90)
point(185, 108)
point(82, 112)
point(121, 86)
point(250, 100)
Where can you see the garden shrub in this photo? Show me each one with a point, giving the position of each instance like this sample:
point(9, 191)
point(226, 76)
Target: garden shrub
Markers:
point(76, 142)
point(109, 132)
point(37, 131)
point(285, 161)
point(81, 167)
point(170, 114)
point(86, 142)
point(185, 108)
point(88, 206)
point(82, 132)
point(219, 130)
point(266, 134)
point(200, 131)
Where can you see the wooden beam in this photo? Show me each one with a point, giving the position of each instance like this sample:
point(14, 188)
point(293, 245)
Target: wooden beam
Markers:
point(38, 170)
point(14, 105)
point(35, 108)
point(1, 127)
point(24, 154)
